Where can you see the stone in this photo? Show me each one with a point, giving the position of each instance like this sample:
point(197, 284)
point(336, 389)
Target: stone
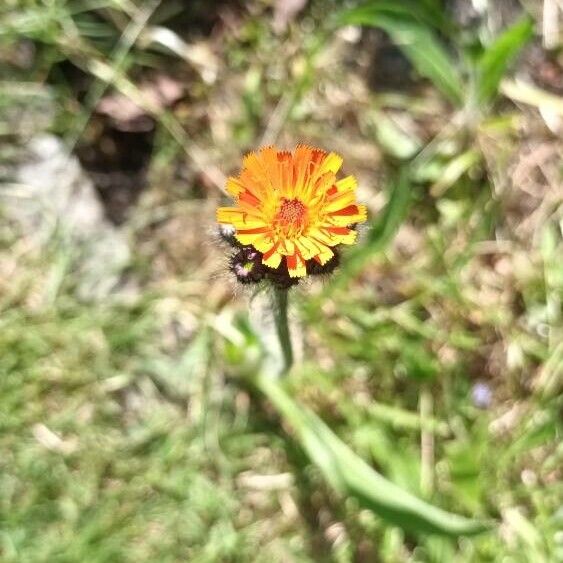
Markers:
point(47, 193)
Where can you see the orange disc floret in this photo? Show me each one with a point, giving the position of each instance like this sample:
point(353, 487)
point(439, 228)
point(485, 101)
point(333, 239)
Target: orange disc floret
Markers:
point(290, 206)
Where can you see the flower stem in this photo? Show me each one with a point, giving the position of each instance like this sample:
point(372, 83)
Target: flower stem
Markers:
point(280, 299)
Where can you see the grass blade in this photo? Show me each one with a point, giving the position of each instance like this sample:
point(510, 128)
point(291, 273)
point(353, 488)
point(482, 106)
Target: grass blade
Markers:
point(454, 170)
point(416, 39)
point(526, 93)
point(427, 12)
point(496, 59)
point(395, 211)
point(381, 233)
point(352, 476)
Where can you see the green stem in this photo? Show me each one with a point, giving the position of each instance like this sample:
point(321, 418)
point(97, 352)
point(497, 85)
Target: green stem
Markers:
point(282, 327)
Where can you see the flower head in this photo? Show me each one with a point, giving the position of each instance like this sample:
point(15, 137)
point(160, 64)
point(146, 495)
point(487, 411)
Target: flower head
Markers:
point(289, 206)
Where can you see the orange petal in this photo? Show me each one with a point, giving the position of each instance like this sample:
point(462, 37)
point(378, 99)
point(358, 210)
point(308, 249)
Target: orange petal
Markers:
point(239, 218)
point(295, 266)
point(348, 215)
point(234, 187)
point(248, 239)
point(263, 243)
point(249, 198)
point(308, 247)
point(321, 236)
point(342, 235)
point(318, 190)
point(272, 258)
point(256, 169)
point(255, 231)
point(347, 184)
point(331, 235)
point(301, 160)
point(270, 164)
point(323, 257)
point(287, 247)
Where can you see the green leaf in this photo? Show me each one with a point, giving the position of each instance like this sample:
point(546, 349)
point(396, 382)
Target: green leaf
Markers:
point(351, 476)
point(495, 61)
point(395, 211)
point(415, 38)
point(427, 12)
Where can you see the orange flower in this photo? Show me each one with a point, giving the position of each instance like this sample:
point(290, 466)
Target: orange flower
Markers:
point(289, 205)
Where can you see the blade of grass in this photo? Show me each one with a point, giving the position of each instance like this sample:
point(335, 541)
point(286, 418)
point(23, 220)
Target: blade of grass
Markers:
point(417, 41)
point(530, 94)
point(118, 61)
point(495, 61)
point(350, 475)
point(403, 419)
point(381, 233)
point(427, 12)
point(454, 170)
point(197, 155)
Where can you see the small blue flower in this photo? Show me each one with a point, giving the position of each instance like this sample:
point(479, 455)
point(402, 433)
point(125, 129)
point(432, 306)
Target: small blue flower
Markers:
point(481, 395)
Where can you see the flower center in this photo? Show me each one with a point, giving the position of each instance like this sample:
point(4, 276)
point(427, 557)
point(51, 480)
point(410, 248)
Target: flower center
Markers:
point(291, 218)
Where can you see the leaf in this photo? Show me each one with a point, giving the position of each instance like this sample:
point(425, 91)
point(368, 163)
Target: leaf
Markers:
point(427, 12)
point(403, 419)
point(350, 475)
point(392, 217)
point(415, 38)
point(494, 62)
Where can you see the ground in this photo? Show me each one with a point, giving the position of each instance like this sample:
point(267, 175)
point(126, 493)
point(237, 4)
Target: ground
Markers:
point(129, 426)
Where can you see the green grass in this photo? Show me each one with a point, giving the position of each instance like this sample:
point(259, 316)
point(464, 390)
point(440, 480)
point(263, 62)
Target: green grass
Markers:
point(151, 447)
point(98, 465)
point(130, 429)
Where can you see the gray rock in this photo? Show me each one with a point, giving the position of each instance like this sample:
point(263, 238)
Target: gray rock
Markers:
point(49, 195)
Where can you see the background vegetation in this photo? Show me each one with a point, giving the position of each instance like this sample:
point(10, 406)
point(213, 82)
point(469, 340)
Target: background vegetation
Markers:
point(128, 428)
